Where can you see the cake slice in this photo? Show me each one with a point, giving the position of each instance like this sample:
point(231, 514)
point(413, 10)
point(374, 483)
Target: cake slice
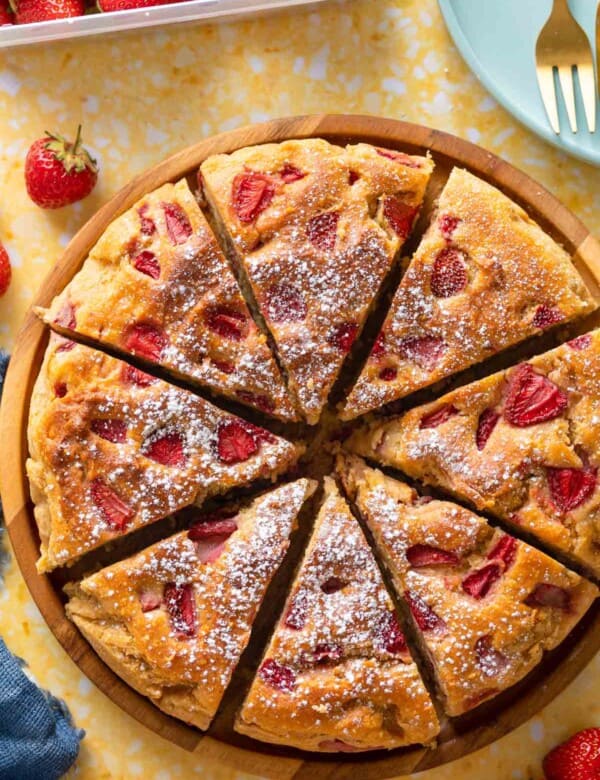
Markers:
point(315, 229)
point(486, 606)
point(113, 449)
point(157, 285)
point(173, 620)
point(337, 674)
point(484, 277)
point(523, 444)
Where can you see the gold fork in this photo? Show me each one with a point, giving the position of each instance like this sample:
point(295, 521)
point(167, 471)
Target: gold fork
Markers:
point(563, 45)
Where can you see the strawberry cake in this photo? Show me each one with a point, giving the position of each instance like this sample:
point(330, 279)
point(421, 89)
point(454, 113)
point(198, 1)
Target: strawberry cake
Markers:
point(485, 276)
point(113, 449)
point(173, 620)
point(523, 444)
point(157, 285)
point(484, 605)
point(315, 230)
point(337, 675)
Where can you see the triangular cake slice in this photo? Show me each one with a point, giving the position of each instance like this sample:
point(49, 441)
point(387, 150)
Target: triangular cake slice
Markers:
point(173, 620)
point(337, 674)
point(484, 277)
point(158, 286)
point(113, 449)
point(523, 444)
point(486, 607)
point(316, 228)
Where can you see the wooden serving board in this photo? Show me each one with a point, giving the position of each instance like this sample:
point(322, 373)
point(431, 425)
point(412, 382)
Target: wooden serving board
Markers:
point(460, 736)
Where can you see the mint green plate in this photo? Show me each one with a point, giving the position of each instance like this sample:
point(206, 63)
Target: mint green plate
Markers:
point(497, 40)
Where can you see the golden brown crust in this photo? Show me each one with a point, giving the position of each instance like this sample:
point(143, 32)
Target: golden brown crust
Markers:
point(147, 270)
point(112, 450)
point(489, 630)
point(484, 277)
point(318, 246)
point(336, 675)
point(181, 655)
point(517, 473)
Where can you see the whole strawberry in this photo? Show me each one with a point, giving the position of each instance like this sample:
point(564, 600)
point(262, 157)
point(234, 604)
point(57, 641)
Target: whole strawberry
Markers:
point(576, 759)
point(5, 270)
point(125, 5)
point(6, 14)
point(58, 172)
point(28, 11)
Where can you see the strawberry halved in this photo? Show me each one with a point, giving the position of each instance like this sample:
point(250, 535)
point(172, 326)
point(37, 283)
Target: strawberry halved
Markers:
point(236, 442)
point(419, 555)
point(447, 225)
point(391, 636)
point(580, 342)
point(295, 617)
point(423, 614)
point(206, 528)
point(146, 340)
point(505, 550)
point(146, 263)
point(290, 173)
point(147, 224)
point(569, 488)
point(485, 426)
point(379, 347)
point(66, 317)
point(449, 274)
point(326, 653)
point(179, 227)
point(441, 415)
point(322, 230)
point(399, 215)
point(111, 429)
point(478, 583)
point(181, 606)
point(547, 595)
point(545, 316)
point(490, 661)
point(277, 675)
point(262, 402)
point(114, 511)
point(133, 376)
point(150, 600)
point(425, 351)
point(532, 398)
point(285, 303)
point(399, 157)
point(168, 449)
point(251, 193)
point(343, 336)
point(227, 322)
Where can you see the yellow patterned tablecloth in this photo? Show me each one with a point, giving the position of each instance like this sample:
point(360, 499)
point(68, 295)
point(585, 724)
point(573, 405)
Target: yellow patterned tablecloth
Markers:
point(141, 97)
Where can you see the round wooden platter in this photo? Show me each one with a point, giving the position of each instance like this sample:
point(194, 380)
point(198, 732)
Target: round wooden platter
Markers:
point(460, 736)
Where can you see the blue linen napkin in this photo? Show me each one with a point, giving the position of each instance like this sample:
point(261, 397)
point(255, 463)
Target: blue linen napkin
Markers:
point(37, 738)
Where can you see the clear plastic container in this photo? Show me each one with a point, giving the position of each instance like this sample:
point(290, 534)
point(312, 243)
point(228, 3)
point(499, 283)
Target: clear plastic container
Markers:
point(178, 13)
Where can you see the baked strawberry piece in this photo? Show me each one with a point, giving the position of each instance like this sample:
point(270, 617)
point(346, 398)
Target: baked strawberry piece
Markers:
point(337, 674)
point(315, 228)
point(484, 277)
point(157, 285)
point(485, 606)
point(523, 444)
point(173, 620)
point(113, 449)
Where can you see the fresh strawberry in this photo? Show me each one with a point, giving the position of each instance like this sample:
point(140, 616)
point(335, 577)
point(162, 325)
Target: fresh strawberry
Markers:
point(388, 374)
point(425, 351)
point(277, 675)
point(447, 225)
point(126, 5)
point(322, 230)
point(449, 274)
point(181, 606)
point(251, 193)
point(235, 442)
point(545, 316)
point(179, 228)
point(391, 635)
point(58, 172)
point(227, 322)
point(167, 450)
point(114, 511)
point(532, 398)
point(332, 585)
point(478, 583)
point(419, 555)
point(5, 269)
point(285, 303)
point(489, 660)
point(569, 488)
point(441, 415)
point(424, 616)
point(146, 340)
point(487, 422)
point(6, 13)
point(343, 336)
point(547, 595)
point(111, 429)
point(28, 11)
point(146, 263)
point(399, 215)
point(576, 759)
